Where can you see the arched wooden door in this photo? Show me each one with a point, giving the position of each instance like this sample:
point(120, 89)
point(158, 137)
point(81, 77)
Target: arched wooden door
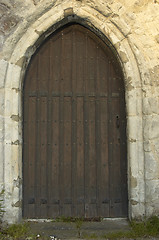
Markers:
point(74, 148)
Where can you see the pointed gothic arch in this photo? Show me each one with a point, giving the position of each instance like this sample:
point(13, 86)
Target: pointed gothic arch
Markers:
point(14, 82)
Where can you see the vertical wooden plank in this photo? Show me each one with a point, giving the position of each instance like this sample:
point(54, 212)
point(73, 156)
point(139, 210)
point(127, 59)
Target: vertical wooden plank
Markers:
point(92, 159)
point(44, 67)
point(55, 63)
point(67, 157)
point(91, 89)
point(117, 83)
point(29, 131)
point(103, 76)
point(30, 82)
point(78, 89)
point(56, 86)
point(67, 60)
point(31, 156)
point(86, 156)
point(74, 170)
point(49, 153)
point(104, 167)
point(91, 65)
point(80, 187)
point(61, 154)
point(54, 186)
point(80, 60)
point(61, 133)
point(115, 175)
point(43, 158)
point(37, 158)
point(123, 152)
point(55, 157)
point(115, 162)
point(25, 156)
point(103, 71)
point(97, 134)
point(86, 130)
point(98, 154)
point(74, 123)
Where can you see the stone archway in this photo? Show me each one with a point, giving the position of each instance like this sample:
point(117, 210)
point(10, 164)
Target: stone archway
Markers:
point(13, 92)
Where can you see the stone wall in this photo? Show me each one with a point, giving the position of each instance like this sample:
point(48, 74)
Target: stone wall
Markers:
point(132, 28)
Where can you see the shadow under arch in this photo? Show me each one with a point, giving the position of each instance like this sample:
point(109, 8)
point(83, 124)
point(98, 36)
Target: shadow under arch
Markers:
point(66, 21)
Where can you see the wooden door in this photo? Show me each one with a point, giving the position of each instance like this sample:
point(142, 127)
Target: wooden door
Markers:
point(74, 129)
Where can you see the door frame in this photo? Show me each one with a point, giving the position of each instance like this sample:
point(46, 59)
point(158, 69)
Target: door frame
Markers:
point(15, 71)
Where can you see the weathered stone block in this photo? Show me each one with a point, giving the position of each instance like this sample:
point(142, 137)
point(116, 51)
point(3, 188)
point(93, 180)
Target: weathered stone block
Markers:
point(152, 165)
point(1, 164)
point(138, 211)
point(151, 105)
point(1, 102)
point(152, 189)
point(3, 69)
point(134, 102)
point(136, 161)
point(13, 74)
point(135, 128)
point(151, 127)
point(11, 130)
point(1, 129)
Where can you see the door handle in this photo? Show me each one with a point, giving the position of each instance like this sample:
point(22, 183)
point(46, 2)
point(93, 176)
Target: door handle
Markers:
point(117, 121)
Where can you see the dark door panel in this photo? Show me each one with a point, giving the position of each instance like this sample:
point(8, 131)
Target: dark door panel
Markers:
point(74, 129)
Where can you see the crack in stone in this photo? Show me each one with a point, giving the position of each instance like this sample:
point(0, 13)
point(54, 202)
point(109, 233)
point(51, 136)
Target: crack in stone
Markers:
point(36, 2)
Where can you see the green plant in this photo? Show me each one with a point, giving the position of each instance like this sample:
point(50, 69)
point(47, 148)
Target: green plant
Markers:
point(79, 222)
point(152, 225)
point(91, 236)
point(118, 235)
point(64, 219)
point(1, 206)
point(149, 227)
point(146, 228)
point(17, 231)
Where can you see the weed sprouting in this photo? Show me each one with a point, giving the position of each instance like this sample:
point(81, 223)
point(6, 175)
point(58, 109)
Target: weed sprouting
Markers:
point(17, 231)
point(64, 219)
point(79, 222)
point(90, 236)
point(146, 228)
point(1, 205)
point(149, 227)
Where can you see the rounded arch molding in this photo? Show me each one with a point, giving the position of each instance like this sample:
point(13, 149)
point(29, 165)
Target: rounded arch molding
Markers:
point(24, 49)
